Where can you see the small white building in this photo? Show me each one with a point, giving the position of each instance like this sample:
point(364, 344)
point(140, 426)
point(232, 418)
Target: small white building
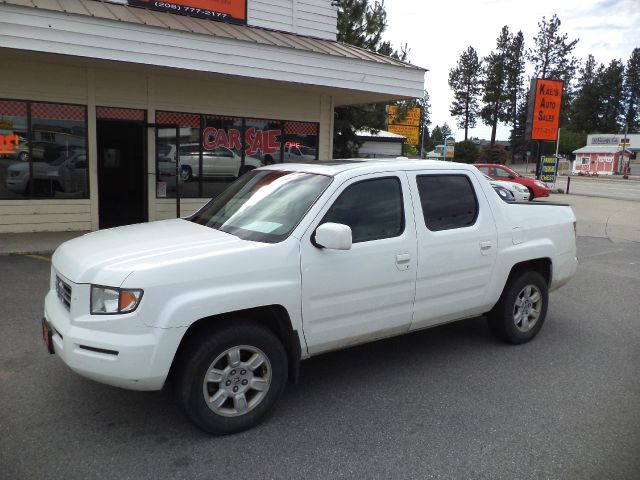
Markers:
point(380, 144)
point(600, 160)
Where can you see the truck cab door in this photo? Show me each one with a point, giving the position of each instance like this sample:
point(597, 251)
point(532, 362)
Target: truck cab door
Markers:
point(367, 292)
point(457, 246)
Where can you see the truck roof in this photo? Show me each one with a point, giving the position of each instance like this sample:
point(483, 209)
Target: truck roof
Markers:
point(366, 165)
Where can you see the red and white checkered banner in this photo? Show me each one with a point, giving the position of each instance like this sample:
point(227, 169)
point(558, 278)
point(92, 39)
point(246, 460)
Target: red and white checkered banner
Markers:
point(9, 108)
point(110, 113)
point(300, 128)
point(58, 111)
point(180, 119)
point(223, 117)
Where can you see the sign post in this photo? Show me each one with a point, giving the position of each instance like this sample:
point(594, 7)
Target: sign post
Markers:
point(543, 117)
point(450, 147)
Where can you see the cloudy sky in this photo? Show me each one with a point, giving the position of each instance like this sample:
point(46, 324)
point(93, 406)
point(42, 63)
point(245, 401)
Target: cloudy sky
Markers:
point(438, 32)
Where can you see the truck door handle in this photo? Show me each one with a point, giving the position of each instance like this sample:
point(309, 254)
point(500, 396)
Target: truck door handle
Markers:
point(485, 247)
point(402, 261)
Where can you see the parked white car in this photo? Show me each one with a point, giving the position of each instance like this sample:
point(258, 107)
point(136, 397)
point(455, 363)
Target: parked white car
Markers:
point(66, 173)
point(292, 154)
point(219, 162)
point(519, 192)
point(294, 260)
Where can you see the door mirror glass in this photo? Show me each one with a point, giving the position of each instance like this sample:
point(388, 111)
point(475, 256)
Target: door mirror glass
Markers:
point(334, 236)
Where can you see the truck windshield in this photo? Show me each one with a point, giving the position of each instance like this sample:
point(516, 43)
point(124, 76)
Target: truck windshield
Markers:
point(263, 205)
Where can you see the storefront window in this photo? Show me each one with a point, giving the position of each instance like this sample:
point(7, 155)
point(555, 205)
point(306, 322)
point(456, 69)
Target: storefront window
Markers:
point(59, 150)
point(216, 149)
point(14, 157)
point(263, 142)
point(49, 160)
point(222, 154)
point(166, 155)
point(300, 141)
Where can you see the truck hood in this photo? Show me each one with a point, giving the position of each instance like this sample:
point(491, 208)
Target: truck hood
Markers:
point(108, 257)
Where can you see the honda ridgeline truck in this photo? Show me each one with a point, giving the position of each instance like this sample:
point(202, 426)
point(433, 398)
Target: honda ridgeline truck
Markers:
point(295, 260)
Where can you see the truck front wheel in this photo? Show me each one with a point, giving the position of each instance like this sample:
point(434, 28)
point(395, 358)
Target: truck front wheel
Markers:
point(231, 379)
point(519, 314)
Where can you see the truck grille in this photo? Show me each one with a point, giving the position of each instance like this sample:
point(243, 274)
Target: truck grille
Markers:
point(64, 292)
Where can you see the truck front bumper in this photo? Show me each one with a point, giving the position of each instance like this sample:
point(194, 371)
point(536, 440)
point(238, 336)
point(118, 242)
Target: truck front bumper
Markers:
point(135, 361)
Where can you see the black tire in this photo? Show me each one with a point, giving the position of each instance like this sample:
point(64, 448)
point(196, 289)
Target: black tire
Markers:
point(502, 319)
point(185, 173)
point(23, 156)
point(531, 195)
point(195, 364)
point(268, 160)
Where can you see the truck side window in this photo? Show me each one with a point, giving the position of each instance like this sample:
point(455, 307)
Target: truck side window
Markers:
point(372, 208)
point(448, 201)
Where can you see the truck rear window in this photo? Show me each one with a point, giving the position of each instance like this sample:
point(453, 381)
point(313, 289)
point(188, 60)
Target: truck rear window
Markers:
point(448, 201)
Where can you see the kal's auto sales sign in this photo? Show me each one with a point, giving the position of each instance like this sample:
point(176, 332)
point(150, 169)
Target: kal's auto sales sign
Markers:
point(257, 141)
point(234, 11)
point(544, 109)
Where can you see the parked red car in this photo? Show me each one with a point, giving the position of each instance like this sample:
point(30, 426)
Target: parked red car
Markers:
point(500, 172)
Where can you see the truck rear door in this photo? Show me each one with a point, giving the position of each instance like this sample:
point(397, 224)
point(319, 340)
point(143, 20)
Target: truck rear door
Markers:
point(457, 243)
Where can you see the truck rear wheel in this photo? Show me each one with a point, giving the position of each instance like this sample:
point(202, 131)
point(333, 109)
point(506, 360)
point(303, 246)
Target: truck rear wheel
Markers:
point(232, 378)
point(519, 314)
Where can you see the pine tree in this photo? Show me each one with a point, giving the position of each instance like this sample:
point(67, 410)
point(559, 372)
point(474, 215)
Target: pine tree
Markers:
point(514, 88)
point(611, 84)
point(494, 84)
point(436, 138)
point(552, 59)
point(361, 24)
point(466, 82)
point(587, 104)
point(446, 131)
point(632, 91)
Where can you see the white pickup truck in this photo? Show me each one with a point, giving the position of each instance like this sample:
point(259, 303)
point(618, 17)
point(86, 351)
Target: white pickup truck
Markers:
point(295, 260)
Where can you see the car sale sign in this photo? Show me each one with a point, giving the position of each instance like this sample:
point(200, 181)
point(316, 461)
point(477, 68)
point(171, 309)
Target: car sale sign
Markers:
point(544, 109)
point(234, 11)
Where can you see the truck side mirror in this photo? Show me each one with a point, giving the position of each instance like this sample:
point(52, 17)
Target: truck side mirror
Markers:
point(334, 236)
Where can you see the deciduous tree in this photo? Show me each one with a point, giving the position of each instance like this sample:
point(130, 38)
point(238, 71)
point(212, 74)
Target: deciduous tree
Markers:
point(466, 151)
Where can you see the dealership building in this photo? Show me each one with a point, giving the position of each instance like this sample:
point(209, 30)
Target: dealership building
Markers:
point(125, 111)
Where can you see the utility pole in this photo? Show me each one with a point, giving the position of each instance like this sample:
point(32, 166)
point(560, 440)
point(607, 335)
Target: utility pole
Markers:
point(625, 171)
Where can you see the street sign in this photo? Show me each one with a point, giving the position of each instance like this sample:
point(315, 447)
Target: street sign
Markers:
point(411, 117)
point(412, 134)
point(549, 169)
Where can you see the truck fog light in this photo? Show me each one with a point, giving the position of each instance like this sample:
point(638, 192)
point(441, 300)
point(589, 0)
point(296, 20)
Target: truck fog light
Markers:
point(109, 300)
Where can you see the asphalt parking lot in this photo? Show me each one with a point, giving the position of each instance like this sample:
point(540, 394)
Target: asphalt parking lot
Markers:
point(449, 402)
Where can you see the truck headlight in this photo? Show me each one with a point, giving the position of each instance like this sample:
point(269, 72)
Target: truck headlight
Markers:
point(110, 300)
